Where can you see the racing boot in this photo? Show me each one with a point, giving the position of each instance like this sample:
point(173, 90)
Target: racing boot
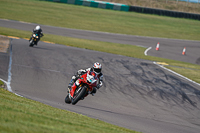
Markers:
point(94, 90)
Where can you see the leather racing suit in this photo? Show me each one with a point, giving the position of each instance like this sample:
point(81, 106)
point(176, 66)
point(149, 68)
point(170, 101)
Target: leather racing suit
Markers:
point(73, 84)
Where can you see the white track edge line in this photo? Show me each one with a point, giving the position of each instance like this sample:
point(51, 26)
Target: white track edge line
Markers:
point(4, 81)
point(9, 69)
point(145, 52)
point(9, 73)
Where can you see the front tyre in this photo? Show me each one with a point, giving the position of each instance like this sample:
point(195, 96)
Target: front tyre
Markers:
point(31, 43)
point(67, 99)
point(79, 95)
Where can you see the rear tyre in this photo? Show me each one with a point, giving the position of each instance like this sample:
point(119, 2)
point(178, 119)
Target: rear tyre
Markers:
point(79, 95)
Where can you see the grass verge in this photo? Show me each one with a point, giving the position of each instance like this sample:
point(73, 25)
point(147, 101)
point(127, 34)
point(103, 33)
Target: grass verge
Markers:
point(193, 74)
point(1, 83)
point(21, 115)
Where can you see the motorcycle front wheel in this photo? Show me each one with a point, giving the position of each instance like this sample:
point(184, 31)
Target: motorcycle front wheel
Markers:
point(67, 99)
point(79, 95)
point(31, 43)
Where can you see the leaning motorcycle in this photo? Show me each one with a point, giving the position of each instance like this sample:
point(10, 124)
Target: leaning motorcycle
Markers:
point(34, 40)
point(88, 82)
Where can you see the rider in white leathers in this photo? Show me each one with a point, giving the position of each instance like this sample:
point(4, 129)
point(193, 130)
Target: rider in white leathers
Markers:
point(96, 69)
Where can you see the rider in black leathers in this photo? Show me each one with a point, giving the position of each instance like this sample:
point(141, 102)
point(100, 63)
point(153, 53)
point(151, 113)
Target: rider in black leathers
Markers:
point(38, 31)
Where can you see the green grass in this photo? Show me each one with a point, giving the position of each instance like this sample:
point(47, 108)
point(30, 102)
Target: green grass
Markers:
point(21, 115)
point(190, 73)
point(81, 17)
point(1, 83)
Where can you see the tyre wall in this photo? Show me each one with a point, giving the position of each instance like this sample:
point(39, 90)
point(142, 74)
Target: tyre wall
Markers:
point(122, 7)
point(164, 12)
point(97, 4)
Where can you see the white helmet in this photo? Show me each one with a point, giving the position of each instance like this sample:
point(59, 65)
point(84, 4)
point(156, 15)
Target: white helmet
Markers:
point(37, 27)
point(97, 68)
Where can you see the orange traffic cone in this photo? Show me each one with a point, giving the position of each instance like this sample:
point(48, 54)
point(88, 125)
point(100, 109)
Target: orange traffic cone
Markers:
point(157, 46)
point(184, 51)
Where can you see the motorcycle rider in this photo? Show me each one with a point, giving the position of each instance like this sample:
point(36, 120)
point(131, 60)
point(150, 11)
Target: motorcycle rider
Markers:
point(74, 83)
point(37, 30)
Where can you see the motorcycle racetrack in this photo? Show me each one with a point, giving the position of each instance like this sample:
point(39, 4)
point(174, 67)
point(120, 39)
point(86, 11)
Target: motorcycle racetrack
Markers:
point(137, 94)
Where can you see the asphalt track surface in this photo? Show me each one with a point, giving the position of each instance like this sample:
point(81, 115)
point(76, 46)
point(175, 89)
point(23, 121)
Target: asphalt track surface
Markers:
point(137, 94)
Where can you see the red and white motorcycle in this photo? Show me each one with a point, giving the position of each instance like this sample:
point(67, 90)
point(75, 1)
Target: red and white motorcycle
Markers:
point(87, 83)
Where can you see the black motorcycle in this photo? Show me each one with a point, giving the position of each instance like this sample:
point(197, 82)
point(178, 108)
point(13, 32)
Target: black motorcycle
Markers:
point(34, 40)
